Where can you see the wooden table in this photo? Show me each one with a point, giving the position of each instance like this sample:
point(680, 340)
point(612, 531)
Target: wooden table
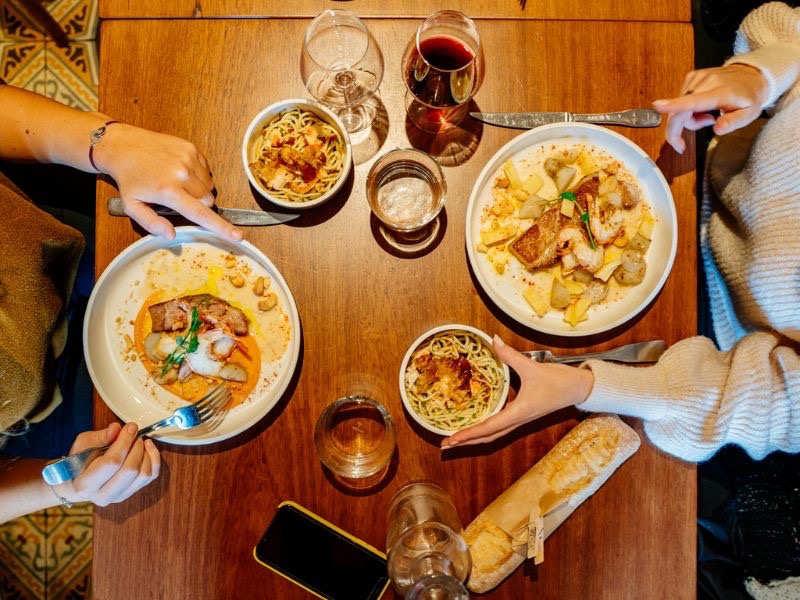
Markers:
point(191, 533)
point(609, 10)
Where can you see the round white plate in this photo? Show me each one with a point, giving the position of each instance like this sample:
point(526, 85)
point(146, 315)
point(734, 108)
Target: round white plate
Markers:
point(506, 290)
point(123, 382)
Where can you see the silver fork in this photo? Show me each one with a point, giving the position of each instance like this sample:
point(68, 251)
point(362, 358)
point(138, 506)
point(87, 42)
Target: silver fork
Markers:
point(185, 417)
point(641, 352)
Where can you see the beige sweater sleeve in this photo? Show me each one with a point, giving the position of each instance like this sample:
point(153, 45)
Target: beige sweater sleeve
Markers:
point(697, 399)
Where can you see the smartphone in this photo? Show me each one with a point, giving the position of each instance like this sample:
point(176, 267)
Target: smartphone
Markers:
point(320, 557)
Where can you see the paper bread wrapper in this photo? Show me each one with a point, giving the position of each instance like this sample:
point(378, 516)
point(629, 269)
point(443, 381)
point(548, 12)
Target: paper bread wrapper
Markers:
point(572, 471)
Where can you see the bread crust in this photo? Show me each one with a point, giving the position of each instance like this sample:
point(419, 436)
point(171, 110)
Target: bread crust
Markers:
point(568, 474)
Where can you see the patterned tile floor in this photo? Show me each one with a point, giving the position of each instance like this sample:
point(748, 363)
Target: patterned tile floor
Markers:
point(48, 555)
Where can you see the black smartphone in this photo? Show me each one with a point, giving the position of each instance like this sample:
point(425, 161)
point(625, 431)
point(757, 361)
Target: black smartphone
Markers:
point(320, 557)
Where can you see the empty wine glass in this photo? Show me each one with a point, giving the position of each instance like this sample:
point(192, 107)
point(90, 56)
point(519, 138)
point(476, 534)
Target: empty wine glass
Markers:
point(443, 69)
point(342, 67)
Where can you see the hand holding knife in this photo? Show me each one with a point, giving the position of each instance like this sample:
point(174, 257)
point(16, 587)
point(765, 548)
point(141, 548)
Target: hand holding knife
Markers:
point(237, 216)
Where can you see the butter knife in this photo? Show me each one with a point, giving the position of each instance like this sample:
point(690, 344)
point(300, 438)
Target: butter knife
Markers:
point(635, 117)
point(641, 352)
point(237, 216)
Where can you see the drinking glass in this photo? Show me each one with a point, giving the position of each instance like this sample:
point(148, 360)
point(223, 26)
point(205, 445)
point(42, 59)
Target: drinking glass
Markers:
point(406, 191)
point(443, 69)
point(342, 67)
point(355, 438)
point(424, 539)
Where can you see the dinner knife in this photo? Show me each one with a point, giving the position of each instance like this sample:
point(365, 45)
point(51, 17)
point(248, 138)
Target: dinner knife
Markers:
point(640, 352)
point(635, 117)
point(237, 216)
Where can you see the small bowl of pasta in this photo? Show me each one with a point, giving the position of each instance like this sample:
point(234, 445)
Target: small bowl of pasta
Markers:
point(451, 379)
point(296, 153)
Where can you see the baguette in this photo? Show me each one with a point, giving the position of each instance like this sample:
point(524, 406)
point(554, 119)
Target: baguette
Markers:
point(573, 470)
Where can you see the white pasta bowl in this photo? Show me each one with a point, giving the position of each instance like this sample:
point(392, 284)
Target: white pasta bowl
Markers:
point(435, 414)
point(251, 143)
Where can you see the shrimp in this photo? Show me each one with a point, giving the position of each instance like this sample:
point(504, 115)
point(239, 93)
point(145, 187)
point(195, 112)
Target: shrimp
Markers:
point(572, 240)
point(605, 217)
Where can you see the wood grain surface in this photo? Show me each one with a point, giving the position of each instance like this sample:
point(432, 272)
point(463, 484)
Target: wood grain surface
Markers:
point(608, 10)
point(191, 533)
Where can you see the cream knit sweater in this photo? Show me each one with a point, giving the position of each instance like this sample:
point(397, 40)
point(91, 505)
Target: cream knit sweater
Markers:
point(698, 398)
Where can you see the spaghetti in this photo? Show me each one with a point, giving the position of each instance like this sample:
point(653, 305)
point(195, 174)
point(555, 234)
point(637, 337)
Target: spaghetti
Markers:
point(453, 380)
point(299, 157)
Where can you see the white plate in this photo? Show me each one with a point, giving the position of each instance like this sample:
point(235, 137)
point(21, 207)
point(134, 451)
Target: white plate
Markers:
point(119, 294)
point(506, 289)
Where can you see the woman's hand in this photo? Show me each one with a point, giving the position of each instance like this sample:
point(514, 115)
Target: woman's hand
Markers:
point(544, 388)
point(737, 91)
point(125, 468)
point(155, 168)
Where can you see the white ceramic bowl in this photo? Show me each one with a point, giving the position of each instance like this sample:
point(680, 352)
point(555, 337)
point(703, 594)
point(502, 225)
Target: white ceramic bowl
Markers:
point(269, 113)
point(500, 396)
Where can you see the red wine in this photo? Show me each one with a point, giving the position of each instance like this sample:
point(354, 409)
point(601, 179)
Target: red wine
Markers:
point(444, 74)
point(446, 53)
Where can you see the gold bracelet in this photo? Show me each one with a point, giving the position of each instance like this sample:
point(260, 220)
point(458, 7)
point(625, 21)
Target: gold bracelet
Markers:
point(61, 498)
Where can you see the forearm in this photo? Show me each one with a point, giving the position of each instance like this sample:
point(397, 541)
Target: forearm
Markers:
point(36, 128)
point(697, 399)
point(23, 491)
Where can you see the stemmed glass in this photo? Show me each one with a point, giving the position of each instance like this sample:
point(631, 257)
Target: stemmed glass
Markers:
point(443, 68)
point(342, 67)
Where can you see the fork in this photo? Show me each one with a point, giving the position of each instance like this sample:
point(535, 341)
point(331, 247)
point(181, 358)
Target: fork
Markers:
point(185, 417)
point(641, 352)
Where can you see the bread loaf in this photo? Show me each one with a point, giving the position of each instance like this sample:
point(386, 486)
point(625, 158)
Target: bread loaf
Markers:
point(566, 476)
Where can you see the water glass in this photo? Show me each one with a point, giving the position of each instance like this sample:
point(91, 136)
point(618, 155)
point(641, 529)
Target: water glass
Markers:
point(424, 538)
point(355, 439)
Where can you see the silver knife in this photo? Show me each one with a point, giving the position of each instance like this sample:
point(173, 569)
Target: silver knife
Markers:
point(237, 216)
point(641, 352)
point(635, 117)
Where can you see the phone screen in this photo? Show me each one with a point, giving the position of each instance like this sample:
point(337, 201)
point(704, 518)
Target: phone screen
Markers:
point(322, 559)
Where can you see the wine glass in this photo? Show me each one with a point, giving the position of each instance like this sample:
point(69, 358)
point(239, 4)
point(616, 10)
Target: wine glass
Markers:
point(443, 69)
point(342, 67)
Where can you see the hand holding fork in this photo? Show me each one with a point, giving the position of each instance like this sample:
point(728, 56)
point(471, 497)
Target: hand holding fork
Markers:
point(186, 417)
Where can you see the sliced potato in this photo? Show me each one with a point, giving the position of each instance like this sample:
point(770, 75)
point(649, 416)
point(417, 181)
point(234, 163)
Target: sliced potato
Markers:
point(576, 312)
point(573, 287)
point(583, 276)
point(537, 299)
point(532, 208)
point(564, 177)
point(559, 295)
point(647, 225)
point(567, 208)
point(604, 272)
point(497, 233)
point(532, 184)
point(512, 174)
point(608, 185)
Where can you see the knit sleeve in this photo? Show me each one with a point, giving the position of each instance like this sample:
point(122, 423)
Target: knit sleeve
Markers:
point(697, 399)
point(769, 40)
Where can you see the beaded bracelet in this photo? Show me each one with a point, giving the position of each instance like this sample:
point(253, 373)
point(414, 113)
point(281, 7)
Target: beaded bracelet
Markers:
point(94, 137)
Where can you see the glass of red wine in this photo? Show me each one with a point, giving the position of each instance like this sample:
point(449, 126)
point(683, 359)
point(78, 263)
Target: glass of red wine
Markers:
point(342, 67)
point(443, 69)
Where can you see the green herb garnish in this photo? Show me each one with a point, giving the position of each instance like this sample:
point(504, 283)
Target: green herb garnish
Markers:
point(186, 344)
point(584, 216)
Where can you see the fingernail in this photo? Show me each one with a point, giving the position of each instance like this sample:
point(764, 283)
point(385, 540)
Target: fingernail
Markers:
point(131, 427)
point(237, 234)
point(659, 103)
point(149, 444)
point(449, 444)
point(498, 341)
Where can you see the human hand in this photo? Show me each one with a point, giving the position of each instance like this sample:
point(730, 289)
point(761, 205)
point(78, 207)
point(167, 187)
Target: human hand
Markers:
point(544, 388)
point(737, 91)
point(155, 168)
point(125, 468)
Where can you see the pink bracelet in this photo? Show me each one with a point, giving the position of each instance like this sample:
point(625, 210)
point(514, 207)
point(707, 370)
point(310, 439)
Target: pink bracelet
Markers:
point(94, 137)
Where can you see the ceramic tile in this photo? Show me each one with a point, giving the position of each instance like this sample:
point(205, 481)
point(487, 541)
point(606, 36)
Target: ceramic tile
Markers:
point(23, 546)
point(16, 24)
point(72, 74)
point(22, 63)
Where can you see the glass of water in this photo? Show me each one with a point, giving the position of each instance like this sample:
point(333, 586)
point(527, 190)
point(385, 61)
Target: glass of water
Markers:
point(355, 439)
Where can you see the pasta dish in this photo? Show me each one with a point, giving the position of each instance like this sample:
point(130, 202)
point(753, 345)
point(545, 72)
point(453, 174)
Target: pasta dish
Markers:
point(299, 157)
point(453, 380)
